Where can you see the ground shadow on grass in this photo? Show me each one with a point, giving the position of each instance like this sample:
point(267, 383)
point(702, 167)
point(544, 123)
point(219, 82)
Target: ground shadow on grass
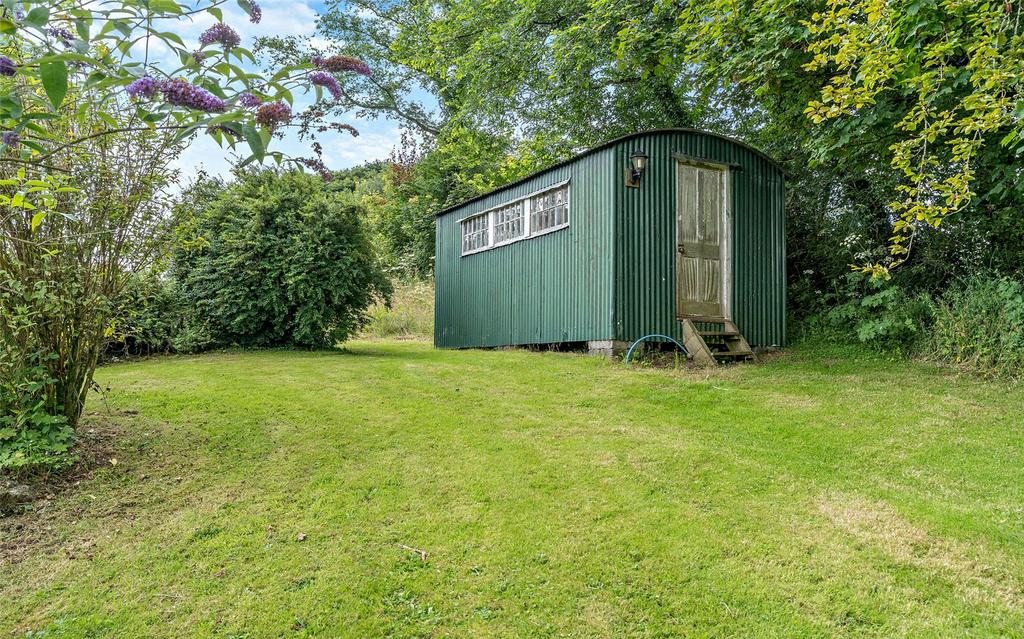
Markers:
point(31, 526)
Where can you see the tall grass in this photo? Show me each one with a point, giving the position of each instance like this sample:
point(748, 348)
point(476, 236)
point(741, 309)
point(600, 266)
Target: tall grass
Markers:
point(979, 326)
point(410, 316)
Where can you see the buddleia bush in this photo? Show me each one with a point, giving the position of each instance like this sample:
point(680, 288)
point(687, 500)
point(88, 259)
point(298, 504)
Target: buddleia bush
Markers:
point(279, 259)
point(35, 432)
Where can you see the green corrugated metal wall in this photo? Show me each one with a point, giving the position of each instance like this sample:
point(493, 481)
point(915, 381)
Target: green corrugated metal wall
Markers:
point(552, 288)
point(611, 273)
point(646, 246)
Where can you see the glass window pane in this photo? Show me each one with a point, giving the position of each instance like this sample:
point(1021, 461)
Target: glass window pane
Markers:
point(474, 233)
point(508, 222)
point(550, 209)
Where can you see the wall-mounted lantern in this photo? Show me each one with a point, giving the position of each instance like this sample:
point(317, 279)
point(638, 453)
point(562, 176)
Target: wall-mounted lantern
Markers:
point(636, 168)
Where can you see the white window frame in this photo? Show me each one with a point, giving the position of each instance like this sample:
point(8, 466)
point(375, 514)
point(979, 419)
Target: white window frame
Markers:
point(462, 233)
point(524, 209)
point(557, 227)
point(528, 231)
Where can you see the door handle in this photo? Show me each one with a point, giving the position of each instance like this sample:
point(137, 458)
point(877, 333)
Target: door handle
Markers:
point(681, 249)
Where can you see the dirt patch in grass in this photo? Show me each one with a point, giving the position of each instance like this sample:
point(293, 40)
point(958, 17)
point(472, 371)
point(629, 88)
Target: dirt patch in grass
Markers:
point(878, 525)
point(35, 527)
point(794, 402)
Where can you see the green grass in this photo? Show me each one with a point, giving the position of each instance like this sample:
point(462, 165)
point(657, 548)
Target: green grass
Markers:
point(822, 493)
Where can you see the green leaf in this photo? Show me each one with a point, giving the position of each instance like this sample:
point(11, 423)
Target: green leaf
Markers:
point(242, 53)
point(67, 56)
point(12, 105)
point(214, 88)
point(35, 146)
point(94, 78)
point(255, 140)
point(19, 201)
point(107, 27)
point(109, 119)
point(55, 81)
point(35, 128)
point(169, 36)
point(216, 13)
point(8, 27)
point(165, 6)
point(37, 219)
point(82, 27)
point(37, 17)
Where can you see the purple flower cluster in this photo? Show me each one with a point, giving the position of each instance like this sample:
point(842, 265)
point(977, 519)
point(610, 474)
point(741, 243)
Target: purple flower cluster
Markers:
point(255, 14)
point(61, 34)
point(144, 87)
point(324, 79)
point(341, 64)
point(184, 93)
point(273, 114)
point(249, 100)
point(10, 139)
point(221, 33)
point(7, 66)
point(317, 165)
point(198, 55)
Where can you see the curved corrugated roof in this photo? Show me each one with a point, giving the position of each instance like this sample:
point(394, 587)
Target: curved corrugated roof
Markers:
point(605, 145)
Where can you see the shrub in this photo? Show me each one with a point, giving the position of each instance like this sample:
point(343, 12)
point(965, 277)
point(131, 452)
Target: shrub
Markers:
point(149, 316)
point(880, 314)
point(410, 313)
point(67, 244)
point(979, 326)
point(284, 261)
point(34, 431)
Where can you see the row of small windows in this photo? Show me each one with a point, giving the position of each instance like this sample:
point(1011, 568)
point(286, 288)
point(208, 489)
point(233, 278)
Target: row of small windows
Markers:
point(532, 215)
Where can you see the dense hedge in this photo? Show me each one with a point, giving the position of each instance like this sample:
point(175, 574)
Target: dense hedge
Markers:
point(276, 259)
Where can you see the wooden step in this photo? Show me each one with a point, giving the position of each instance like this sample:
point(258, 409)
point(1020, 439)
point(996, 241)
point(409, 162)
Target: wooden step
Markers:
point(704, 319)
point(732, 354)
point(704, 346)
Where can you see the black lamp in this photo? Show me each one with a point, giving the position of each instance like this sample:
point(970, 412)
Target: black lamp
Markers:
point(637, 165)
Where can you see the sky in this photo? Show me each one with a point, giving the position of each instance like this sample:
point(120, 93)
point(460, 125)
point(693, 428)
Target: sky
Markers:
point(284, 18)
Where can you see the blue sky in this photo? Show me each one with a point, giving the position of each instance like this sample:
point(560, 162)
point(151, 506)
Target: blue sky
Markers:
point(286, 17)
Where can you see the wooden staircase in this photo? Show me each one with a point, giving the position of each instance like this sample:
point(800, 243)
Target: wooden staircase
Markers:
point(719, 345)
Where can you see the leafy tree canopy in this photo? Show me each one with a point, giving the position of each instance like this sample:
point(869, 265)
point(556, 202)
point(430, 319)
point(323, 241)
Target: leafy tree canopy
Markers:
point(907, 111)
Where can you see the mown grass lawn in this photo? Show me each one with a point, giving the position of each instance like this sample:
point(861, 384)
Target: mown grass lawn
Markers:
point(822, 493)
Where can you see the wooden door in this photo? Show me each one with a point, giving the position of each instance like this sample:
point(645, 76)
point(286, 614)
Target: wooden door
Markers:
point(700, 233)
